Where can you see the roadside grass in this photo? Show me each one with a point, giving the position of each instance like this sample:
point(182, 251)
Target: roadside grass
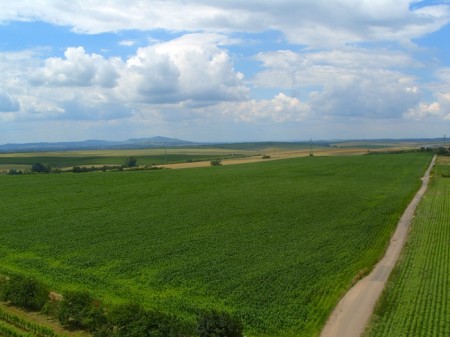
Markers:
point(276, 243)
point(416, 301)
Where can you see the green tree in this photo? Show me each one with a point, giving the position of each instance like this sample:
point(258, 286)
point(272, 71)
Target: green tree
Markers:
point(25, 292)
point(41, 168)
point(128, 320)
point(215, 162)
point(79, 310)
point(130, 162)
point(219, 324)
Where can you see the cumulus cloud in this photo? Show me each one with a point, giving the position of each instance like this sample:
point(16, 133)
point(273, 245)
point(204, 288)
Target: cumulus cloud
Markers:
point(311, 23)
point(423, 110)
point(347, 82)
point(188, 69)
point(77, 69)
point(191, 71)
point(280, 109)
point(379, 94)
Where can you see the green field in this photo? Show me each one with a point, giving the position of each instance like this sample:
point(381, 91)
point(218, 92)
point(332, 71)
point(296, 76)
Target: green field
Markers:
point(417, 298)
point(69, 159)
point(277, 243)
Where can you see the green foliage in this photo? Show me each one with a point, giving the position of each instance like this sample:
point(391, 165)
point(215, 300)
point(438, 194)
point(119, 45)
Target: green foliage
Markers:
point(266, 156)
point(14, 172)
point(216, 162)
point(25, 292)
point(416, 301)
point(276, 242)
point(132, 320)
point(79, 310)
point(442, 151)
point(219, 324)
point(130, 162)
point(40, 168)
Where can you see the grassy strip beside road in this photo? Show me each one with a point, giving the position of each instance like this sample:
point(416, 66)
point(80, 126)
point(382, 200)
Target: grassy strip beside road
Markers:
point(416, 301)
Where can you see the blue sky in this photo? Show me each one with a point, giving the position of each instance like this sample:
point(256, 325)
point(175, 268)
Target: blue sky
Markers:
point(224, 70)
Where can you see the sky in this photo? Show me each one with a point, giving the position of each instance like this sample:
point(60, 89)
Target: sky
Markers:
point(224, 70)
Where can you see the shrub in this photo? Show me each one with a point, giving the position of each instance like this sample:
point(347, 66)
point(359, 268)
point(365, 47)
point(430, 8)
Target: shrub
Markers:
point(130, 162)
point(216, 162)
point(128, 320)
point(79, 310)
point(132, 320)
point(41, 168)
point(25, 292)
point(266, 156)
point(219, 324)
point(14, 172)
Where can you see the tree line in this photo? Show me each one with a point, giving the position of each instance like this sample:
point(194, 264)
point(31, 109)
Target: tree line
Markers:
point(80, 310)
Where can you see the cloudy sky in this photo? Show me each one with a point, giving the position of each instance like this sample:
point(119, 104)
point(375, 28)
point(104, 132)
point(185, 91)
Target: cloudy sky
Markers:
point(223, 70)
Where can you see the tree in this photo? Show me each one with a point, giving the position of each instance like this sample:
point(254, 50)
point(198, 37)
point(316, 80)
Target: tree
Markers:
point(130, 162)
point(79, 310)
point(14, 172)
point(219, 324)
point(40, 168)
point(25, 292)
point(215, 162)
point(128, 320)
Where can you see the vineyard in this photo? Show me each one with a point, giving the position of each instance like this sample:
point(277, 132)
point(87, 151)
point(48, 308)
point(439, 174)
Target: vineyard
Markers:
point(417, 298)
point(276, 243)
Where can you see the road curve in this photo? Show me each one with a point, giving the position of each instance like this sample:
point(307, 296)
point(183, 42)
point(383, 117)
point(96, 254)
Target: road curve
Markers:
point(352, 313)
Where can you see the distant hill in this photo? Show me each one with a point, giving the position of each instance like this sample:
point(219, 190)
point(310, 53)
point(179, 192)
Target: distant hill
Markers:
point(135, 143)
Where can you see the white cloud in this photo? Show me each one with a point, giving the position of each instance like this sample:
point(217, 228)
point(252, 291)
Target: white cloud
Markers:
point(77, 69)
point(311, 23)
point(422, 111)
point(188, 69)
point(280, 109)
point(8, 104)
point(127, 43)
point(191, 71)
point(288, 69)
point(347, 82)
point(373, 94)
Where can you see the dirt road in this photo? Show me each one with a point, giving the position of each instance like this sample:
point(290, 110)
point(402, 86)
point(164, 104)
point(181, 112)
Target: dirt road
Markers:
point(352, 313)
point(273, 156)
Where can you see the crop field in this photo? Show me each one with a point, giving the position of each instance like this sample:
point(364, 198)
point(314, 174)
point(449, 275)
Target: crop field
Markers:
point(68, 159)
point(417, 298)
point(277, 243)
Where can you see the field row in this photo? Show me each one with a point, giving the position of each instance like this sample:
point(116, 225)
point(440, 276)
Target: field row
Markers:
point(417, 298)
point(12, 325)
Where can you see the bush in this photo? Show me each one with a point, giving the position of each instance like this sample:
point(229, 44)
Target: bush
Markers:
point(14, 172)
point(41, 168)
point(25, 292)
point(216, 162)
point(219, 324)
point(79, 310)
point(130, 162)
point(132, 320)
point(266, 156)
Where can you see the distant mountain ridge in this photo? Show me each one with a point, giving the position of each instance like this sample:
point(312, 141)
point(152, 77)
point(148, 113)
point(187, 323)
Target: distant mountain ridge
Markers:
point(93, 144)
